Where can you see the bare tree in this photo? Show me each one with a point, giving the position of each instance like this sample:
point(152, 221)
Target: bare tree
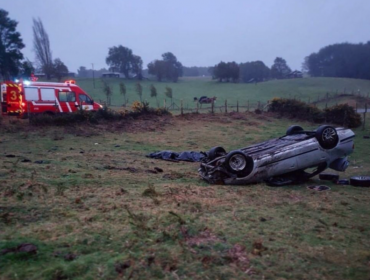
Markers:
point(41, 47)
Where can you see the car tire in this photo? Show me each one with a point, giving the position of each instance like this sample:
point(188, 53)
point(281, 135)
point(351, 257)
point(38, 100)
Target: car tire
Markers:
point(216, 152)
point(329, 177)
point(238, 163)
point(294, 129)
point(360, 181)
point(327, 137)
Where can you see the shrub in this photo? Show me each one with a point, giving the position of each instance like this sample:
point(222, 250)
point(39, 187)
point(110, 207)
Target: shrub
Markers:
point(341, 114)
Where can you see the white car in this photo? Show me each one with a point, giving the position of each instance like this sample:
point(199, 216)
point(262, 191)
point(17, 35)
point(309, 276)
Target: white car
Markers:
point(293, 158)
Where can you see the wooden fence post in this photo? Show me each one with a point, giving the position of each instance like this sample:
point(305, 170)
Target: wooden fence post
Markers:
point(225, 105)
point(213, 106)
point(363, 124)
point(248, 106)
point(237, 106)
point(182, 109)
point(259, 105)
point(197, 107)
point(164, 103)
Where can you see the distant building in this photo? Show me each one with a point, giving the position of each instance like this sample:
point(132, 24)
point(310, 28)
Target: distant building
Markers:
point(111, 75)
point(295, 74)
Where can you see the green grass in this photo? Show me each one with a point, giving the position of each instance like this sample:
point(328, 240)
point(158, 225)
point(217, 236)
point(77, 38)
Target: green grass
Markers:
point(307, 89)
point(139, 225)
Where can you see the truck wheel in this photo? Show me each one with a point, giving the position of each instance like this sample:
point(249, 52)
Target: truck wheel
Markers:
point(360, 181)
point(327, 136)
point(216, 152)
point(294, 129)
point(238, 163)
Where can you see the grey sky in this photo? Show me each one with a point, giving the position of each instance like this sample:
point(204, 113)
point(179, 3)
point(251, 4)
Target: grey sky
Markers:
point(199, 33)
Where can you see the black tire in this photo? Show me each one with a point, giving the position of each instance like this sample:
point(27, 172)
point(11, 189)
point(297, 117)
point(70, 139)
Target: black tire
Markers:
point(329, 177)
point(360, 181)
point(238, 163)
point(294, 129)
point(216, 152)
point(327, 136)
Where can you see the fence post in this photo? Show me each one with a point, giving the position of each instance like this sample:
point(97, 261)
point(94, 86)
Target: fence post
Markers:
point(28, 112)
point(259, 105)
point(225, 106)
point(248, 106)
point(164, 103)
point(363, 124)
point(237, 106)
point(182, 110)
point(197, 107)
point(213, 105)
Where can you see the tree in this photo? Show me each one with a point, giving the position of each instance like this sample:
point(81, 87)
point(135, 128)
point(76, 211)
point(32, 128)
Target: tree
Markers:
point(107, 91)
point(60, 70)
point(123, 60)
point(153, 93)
point(340, 60)
point(226, 71)
point(26, 69)
point(10, 46)
point(122, 91)
point(168, 93)
point(158, 69)
point(169, 68)
point(137, 67)
point(139, 91)
point(280, 69)
point(254, 71)
point(42, 49)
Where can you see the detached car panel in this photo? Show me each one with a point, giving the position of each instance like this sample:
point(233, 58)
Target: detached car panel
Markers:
point(283, 160)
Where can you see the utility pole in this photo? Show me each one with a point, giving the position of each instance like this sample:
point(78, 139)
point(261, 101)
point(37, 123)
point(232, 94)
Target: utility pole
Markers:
point(93, 74)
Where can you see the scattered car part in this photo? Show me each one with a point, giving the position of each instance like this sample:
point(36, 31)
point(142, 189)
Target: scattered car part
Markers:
point(318, 188)
point(328, 177)
point(289, 159)
point(360, 181)
point(343, 182)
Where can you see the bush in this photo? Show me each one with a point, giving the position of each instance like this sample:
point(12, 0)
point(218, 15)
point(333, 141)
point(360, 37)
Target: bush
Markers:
point(93, 117)
point(341, 114)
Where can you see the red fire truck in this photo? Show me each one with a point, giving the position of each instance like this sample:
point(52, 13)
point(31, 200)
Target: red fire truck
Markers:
point(26, 97)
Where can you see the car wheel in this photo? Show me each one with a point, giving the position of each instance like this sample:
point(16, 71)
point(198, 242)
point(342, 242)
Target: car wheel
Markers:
point(294, 129)
point(327, 136)
point(238, 163)
point(216, 152)
point(360, 181)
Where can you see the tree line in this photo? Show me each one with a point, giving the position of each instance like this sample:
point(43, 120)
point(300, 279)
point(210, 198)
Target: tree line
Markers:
point(253, 71)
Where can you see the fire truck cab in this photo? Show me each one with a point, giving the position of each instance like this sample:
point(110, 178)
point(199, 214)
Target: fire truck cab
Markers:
point(26, 97)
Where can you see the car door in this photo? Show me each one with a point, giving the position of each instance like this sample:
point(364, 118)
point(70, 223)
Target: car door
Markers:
point(85, 101)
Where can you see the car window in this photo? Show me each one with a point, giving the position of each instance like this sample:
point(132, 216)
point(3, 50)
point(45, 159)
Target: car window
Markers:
point(69, 96)
point(84, 98)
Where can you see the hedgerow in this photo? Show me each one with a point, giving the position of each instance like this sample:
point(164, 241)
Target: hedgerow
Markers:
point(342, 114)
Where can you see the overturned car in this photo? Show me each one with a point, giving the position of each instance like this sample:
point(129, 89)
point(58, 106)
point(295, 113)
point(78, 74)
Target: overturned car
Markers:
point(292, 158)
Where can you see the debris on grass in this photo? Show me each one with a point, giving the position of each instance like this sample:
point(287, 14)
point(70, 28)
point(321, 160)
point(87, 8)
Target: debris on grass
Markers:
point(22, 248)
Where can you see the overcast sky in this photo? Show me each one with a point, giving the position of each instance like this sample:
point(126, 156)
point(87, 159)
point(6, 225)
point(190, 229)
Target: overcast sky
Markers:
point(199, 33)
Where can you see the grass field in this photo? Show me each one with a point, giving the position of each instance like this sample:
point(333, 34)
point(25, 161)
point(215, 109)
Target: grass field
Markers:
point(95, 207)
point(307, 89)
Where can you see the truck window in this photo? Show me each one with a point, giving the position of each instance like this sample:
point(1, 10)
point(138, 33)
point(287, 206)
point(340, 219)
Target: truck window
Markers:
point(47, 94)
point(31, 94)
point(84, 98)
point(69, 96)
